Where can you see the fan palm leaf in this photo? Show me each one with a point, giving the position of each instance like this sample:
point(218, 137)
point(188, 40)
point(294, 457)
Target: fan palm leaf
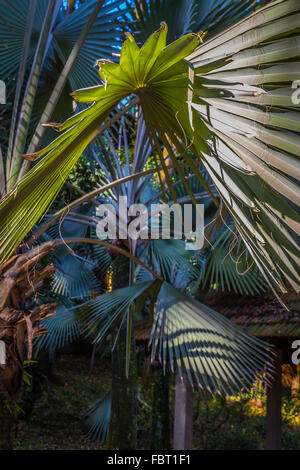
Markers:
point(228, 265)
point(214, 131)
point(102, 40)
point(189, 16)
point(53, 48)
point(218, 355)
point(98, 315)
point(63, 328)
point(98, 418)
point(243, 95)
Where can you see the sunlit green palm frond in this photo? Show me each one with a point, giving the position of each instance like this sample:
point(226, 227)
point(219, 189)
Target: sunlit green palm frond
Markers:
point(98, 418)
point(243, 93)
point(216, 354)
point(159, 76)
point(150, 72)
point(24, 205)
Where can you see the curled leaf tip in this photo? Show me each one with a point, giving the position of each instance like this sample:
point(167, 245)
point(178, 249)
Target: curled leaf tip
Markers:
point(201, 35)
point(129, 36)
point(100, 62)
point(50, 124)
point(26, 157)
point(30, 156)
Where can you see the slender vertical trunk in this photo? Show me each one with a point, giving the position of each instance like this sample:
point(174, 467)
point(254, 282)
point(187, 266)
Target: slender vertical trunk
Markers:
point(123, 422)
point(273, 418)
point(160, 426)
point(183, 415)
point(6, 429)
point(295, 388)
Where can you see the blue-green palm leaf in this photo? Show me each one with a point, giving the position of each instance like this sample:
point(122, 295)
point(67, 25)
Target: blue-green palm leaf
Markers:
point(215, 353)
point(228, 265)
point(151, 13)
point(74, 278)
point(186, 16)
point(214, 16)
point(99, 315)
point(98, 418)
point(101, 42)
point(63, 328)
point(166, 257)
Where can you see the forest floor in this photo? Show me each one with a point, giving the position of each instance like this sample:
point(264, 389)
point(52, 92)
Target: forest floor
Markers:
point(57, 420)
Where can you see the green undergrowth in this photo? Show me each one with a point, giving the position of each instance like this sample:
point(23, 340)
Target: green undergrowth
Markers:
point(57, 420)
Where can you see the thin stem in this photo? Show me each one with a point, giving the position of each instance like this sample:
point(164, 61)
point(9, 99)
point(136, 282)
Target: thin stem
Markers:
point(92, 241)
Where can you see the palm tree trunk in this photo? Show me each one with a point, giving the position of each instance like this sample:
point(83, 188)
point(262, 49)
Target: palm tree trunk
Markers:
point(160, 426)
point(6, 429)
point(19, 279)
point(123, 421)
point(10, 381)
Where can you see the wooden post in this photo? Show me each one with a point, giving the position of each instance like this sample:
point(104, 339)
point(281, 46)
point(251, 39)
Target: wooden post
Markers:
point(273, 424)
point(183, 415)
point(295, 388)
